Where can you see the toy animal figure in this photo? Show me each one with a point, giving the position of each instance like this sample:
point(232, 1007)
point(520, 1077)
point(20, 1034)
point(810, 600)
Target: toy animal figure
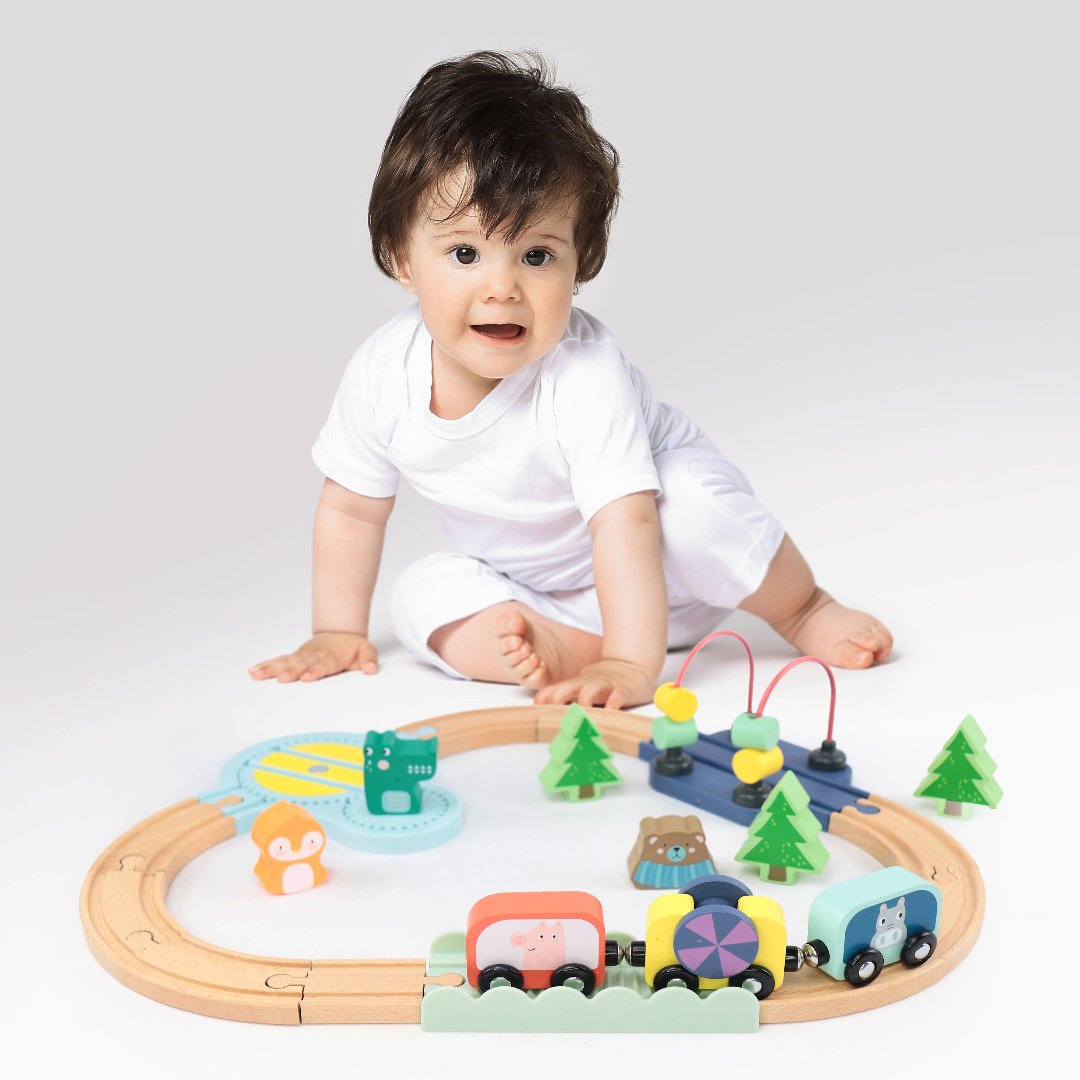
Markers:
point(393, 769)
point(290, 842)
point(670, 851)
point(890, 926)
point(544, 946)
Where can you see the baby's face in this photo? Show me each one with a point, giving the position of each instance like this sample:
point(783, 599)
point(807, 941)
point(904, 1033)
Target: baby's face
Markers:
point(491, 307)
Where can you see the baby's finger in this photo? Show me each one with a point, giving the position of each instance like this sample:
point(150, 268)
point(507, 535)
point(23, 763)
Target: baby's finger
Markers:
point(319, 668)
point(560, 693)
point(594, 692)
point(618, 699)
point(368, 659)
point(291, 668)
point(267, 669)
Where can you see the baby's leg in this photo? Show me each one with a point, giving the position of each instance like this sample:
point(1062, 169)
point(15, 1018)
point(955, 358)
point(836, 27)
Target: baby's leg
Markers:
point(724, 547)
point(511, 643)
point(802, 613)
point(457, 613)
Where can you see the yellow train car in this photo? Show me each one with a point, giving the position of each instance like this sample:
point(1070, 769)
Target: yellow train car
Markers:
point(715, 933)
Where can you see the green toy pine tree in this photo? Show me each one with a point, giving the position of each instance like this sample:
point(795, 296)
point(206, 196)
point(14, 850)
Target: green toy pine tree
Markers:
point(580, 764)
point(784, 836)
point(962, 774)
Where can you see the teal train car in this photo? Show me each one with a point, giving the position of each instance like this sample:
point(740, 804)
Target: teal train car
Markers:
point(857, 927)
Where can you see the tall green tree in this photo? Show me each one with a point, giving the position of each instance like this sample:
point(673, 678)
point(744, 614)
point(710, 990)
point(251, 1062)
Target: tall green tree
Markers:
point(784, 837)
point(580, 761)
point(962, 775)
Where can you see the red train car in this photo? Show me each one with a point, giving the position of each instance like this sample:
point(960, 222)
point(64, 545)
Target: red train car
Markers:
point(533, 940)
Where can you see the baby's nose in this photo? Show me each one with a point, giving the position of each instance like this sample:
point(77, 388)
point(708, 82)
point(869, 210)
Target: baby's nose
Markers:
point(501, 285)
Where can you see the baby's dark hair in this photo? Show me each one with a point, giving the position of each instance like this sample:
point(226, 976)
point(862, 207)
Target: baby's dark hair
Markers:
point(520, 144)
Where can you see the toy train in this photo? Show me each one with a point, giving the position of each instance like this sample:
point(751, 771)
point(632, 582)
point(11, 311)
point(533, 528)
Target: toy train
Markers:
point(712, 933)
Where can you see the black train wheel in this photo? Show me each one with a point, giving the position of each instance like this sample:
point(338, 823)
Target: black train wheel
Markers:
point(757, 980)
point(578, 972)
point(500, 972)
point(675, 973)
point(919, 948)
point(864, 967)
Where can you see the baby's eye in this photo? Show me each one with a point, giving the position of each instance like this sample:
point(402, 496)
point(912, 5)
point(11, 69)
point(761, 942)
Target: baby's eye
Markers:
point(538, 257)
point(465, 255)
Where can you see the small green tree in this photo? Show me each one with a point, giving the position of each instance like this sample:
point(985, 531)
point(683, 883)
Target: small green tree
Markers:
point(784, 836)
point(580, 764)
point(962, 775)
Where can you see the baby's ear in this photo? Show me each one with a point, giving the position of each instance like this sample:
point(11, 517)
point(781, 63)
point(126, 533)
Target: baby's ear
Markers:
point(401, 270)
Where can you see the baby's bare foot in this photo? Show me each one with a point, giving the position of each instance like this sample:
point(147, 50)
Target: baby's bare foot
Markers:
point(538, 651)
point(840, 635)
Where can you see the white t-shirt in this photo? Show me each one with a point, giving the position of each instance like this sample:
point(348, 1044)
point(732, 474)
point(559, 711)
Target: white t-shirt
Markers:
point(515, 480)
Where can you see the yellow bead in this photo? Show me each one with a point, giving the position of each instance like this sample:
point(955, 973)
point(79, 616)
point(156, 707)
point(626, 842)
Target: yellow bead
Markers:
point(675, 702)
point(750, 766)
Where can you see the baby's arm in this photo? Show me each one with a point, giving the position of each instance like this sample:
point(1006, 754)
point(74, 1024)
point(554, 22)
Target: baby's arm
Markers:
point(348, 540)
point(633, 606)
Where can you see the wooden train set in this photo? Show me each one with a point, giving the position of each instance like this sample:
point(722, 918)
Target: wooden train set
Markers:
point(131, 932)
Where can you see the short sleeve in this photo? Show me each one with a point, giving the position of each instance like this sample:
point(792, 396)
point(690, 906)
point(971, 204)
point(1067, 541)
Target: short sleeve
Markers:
point(601, 426)
point(352, 448)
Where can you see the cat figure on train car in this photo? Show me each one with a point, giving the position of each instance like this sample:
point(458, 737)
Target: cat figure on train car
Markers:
point(394, 766)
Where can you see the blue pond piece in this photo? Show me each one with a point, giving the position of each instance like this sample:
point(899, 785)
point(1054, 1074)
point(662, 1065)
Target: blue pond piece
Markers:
point(324, 773)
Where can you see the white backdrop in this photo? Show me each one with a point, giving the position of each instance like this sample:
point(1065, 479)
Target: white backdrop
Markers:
point(847, 245)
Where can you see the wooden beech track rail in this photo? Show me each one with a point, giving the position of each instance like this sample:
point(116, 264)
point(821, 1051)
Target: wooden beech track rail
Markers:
point(129, 929)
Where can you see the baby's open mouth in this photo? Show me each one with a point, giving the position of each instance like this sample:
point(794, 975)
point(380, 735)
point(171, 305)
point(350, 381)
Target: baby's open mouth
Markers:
point(500, 331)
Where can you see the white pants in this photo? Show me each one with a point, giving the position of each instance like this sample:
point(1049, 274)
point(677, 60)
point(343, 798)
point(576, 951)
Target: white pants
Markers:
point(717, 543)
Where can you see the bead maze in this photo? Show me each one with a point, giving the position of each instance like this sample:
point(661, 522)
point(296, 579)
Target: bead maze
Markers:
point(130, 931)
point(731, 773)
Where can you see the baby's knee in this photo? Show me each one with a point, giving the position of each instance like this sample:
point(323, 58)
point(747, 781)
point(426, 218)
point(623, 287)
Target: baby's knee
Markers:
point(702, 493)
point(418, 593)
point(718, 538)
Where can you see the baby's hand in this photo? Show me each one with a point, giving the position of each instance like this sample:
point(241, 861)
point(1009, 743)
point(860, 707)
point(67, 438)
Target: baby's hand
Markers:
point(615, 684)
point(325, 654)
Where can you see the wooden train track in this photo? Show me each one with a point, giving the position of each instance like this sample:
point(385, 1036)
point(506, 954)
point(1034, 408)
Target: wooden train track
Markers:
point(129, 929)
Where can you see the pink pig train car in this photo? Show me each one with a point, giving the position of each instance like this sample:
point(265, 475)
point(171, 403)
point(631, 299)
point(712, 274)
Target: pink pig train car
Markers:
point(533, 940)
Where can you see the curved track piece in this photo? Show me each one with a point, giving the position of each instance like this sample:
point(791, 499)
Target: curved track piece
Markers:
point(129, 929)
point(896, 836)
point(133, 936)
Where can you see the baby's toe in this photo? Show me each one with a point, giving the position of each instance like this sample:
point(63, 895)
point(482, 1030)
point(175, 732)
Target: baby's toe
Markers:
point(875, 639)
point(848, 654)
point(517, 656)
point(510, 643)
point(531, 672)
point(512, 622)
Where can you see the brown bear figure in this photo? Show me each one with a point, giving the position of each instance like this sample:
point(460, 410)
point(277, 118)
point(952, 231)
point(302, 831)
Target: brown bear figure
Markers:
point(669, 852)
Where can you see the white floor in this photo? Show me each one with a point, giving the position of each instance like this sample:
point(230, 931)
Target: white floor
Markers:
point(113, 730)
point(891, 353)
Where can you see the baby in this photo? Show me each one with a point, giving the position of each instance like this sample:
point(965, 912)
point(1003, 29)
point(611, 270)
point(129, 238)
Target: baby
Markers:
point(595, 527)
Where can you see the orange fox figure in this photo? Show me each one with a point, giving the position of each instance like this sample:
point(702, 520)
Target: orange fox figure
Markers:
point(290, 843)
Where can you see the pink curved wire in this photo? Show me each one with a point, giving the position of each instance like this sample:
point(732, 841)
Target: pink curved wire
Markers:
point(712, 637)
point(795, 663)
